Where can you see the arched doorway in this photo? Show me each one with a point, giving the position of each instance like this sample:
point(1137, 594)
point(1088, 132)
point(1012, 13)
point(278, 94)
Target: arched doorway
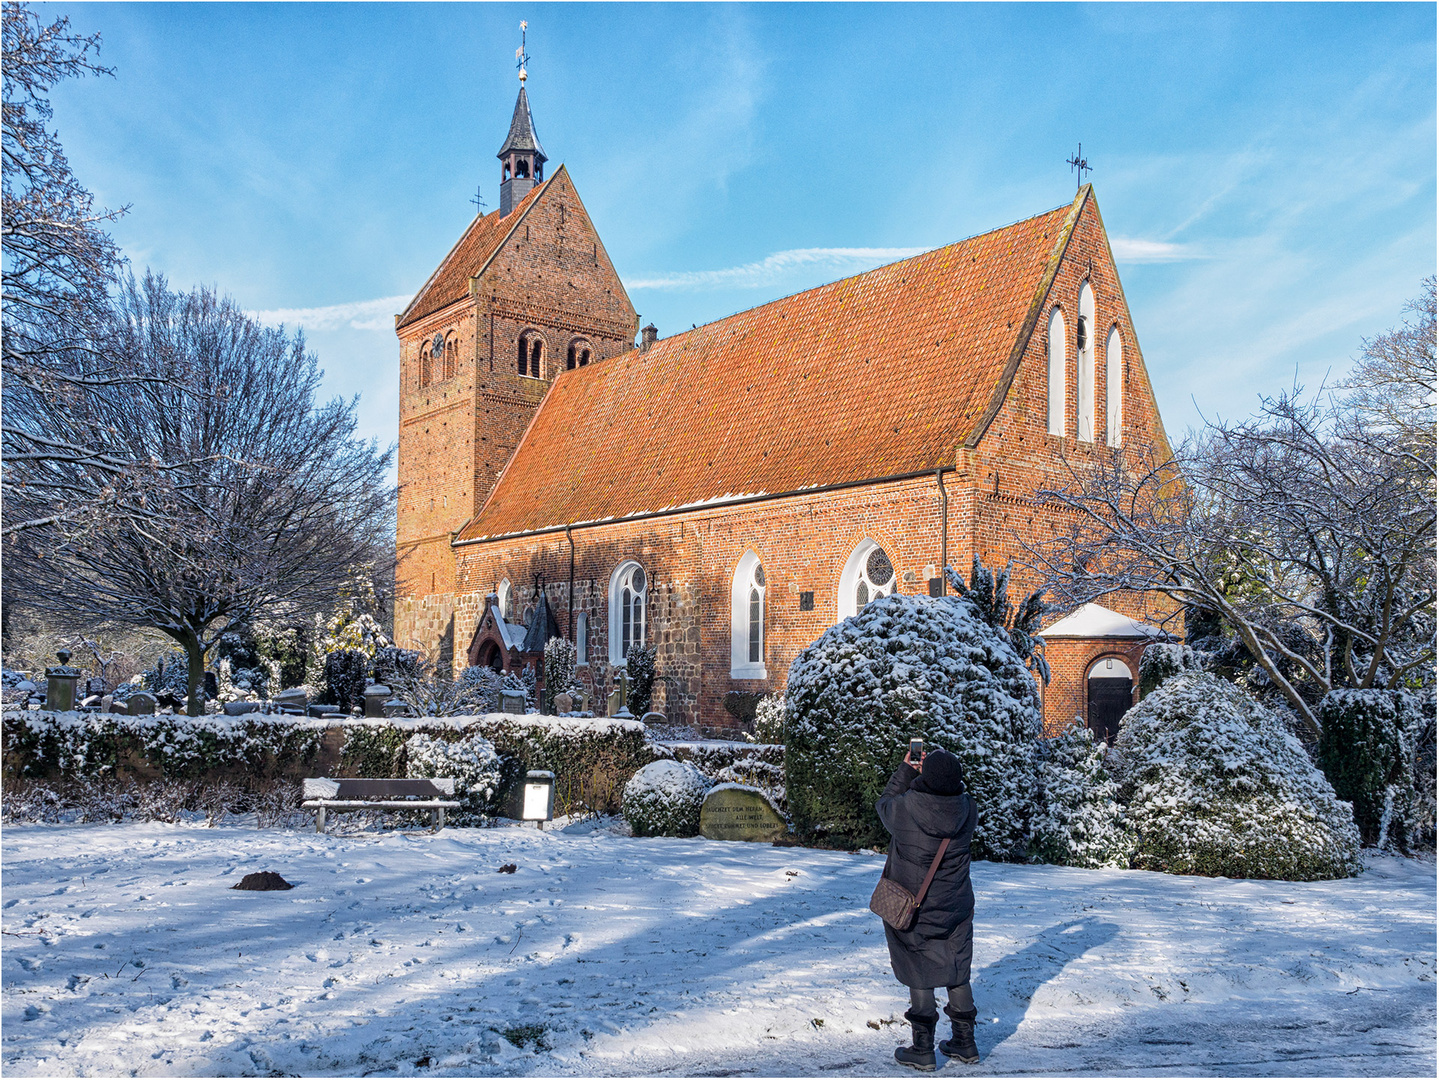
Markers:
point(1110, 692)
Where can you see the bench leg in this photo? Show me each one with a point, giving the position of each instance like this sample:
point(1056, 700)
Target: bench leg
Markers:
point(319, 819)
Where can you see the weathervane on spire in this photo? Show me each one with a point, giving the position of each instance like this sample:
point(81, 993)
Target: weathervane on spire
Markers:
point(1080, 167)
point(521, 57)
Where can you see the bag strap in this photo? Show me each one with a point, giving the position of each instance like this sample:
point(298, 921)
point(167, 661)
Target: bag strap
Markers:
point(919, 897)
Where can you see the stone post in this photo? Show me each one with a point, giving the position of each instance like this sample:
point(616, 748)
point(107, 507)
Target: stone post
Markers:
point(60, 684)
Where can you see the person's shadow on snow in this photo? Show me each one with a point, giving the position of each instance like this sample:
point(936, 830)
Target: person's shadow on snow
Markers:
point(1004, 988)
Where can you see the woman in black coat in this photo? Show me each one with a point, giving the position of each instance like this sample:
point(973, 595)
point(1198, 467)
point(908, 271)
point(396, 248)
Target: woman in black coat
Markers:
point(921, 806)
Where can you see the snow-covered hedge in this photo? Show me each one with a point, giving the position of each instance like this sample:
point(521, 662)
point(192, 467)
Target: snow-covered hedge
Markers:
point(1377, 749)
point(75, 745)
point(1215, 785)
point(664, 799)
point(590, 757)
point(472, 762)
point(906, 666)
point(1080, 822)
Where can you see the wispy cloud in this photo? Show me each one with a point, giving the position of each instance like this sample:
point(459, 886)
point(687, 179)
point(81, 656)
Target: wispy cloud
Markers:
point(1131, 249)
point(357, 315)
point(775, 268)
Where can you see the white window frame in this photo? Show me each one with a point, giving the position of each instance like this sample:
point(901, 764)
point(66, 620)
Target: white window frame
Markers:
point(617, 583)
point(506, 592)
point(1084, 382)
point(741, 584)
point(849, 577)
point(1054, 383)
point(1114, 386)
point(582, 640)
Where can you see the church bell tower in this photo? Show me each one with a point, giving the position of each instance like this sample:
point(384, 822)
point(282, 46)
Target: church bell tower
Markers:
point(522, 159)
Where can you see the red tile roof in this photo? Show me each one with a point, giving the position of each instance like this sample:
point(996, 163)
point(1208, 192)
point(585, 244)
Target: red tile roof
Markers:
point(880, 374)
point(451, 279)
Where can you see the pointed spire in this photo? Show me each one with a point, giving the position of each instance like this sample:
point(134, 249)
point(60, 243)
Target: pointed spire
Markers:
point(522, 135)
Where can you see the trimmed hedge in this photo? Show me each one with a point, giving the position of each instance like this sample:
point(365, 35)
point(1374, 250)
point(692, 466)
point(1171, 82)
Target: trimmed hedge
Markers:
point(591, 758)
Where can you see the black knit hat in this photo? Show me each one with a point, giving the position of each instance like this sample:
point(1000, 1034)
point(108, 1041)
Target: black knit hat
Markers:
point(942, 774)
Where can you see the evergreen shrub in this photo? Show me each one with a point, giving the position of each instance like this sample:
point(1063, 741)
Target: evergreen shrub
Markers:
point(1162, 661)
point(345, 671)
point(664, 799)
point(1377, 749)
point(1080, 821)
point(910, 666)
point(470, 760)
point(640, 664)
point(1215, 785)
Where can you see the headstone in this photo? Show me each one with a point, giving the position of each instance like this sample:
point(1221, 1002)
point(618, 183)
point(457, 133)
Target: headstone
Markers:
point(61, 680)
point(617, 703)
point(512, 701)
point(141, 704)
point(294, 698)
point(240, 708)
point(376, 694)
point(107, 703)
point(735, 812)
point(564, 704)
point(583, 704)
point(653, 718)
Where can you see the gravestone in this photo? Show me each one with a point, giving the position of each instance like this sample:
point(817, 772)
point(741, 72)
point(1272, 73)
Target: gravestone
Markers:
point(240, 708)
point(376, 694)
point(736, 812)
point(294, 698)
point(61, 680)
point(564, 704)
point(141, 704)
point(512, 701)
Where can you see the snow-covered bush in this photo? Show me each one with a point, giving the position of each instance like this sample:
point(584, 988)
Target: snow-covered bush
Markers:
point(559, 672)
point(1163, 661)
point(664, 799)
point(1214, 785)
point(769, 719)
point(640, 665)
point(345, 672)
point(1377, 749)
point(910, 666)
point(1080, 821)
point(480, 688)
point(472, 762)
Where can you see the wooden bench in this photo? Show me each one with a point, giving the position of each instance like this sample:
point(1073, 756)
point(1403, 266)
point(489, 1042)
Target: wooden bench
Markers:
point(373, 793)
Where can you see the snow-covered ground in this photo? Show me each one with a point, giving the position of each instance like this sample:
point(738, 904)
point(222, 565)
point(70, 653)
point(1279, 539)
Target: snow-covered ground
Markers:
point(126, 952)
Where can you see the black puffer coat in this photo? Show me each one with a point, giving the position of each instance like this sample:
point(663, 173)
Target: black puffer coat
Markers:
point(938, 949)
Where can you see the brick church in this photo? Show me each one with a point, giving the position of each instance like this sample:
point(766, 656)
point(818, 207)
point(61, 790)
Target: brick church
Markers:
point(727, 493)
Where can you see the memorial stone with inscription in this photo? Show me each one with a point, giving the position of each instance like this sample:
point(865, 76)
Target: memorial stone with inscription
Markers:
point(737, 812)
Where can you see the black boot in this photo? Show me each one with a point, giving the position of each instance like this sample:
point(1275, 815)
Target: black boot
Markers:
point(921, 1055)
point(960, 1044)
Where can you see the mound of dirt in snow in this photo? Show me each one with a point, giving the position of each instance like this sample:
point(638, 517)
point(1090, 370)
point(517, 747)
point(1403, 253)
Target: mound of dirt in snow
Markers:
point(265, 881)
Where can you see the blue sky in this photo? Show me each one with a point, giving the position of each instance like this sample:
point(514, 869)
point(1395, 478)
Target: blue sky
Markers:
point(1266, 172)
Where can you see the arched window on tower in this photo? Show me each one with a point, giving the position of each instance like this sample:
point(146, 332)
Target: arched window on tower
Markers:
point(747, 619)
point(1055, 382)
point(1084, 345)
point(522, 169)
point(629, 591)
point(426, 366)
point(1113, 386)
point(579, 354)
point(531, 354)
point(452, 356)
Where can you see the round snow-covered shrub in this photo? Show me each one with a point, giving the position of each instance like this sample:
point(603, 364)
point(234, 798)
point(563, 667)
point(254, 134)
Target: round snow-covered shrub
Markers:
point(472, 762)
point(769, 719)
point(910, 666)
point(1080, 821)
point(1215, 785)
point(664, 798)
point(1162, 661)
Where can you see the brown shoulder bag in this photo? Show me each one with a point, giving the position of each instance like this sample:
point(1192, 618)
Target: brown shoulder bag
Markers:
point(895, 904)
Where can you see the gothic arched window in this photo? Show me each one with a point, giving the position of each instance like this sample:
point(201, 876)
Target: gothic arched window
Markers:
point(629, 591)
point(747, 619)
point(1113, 386)
point(426, 366)
point(582, 640)
point(506, 595)
point(1055, 383)
point(452, 356)
point(1084, 384)
point(868, 574)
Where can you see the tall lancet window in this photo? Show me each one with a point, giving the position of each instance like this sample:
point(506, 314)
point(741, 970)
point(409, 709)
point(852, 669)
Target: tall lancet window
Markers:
point(1084, 346)
point(1057, 347)
point(747, 619)
point(1113, 386)
point(629, 592)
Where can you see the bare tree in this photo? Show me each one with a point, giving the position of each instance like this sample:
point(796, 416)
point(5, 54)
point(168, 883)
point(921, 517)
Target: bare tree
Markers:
point(1309, 529)
point(267, 504)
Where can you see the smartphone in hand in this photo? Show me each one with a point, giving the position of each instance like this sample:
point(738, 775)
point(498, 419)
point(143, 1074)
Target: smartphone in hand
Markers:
point(916, 751)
